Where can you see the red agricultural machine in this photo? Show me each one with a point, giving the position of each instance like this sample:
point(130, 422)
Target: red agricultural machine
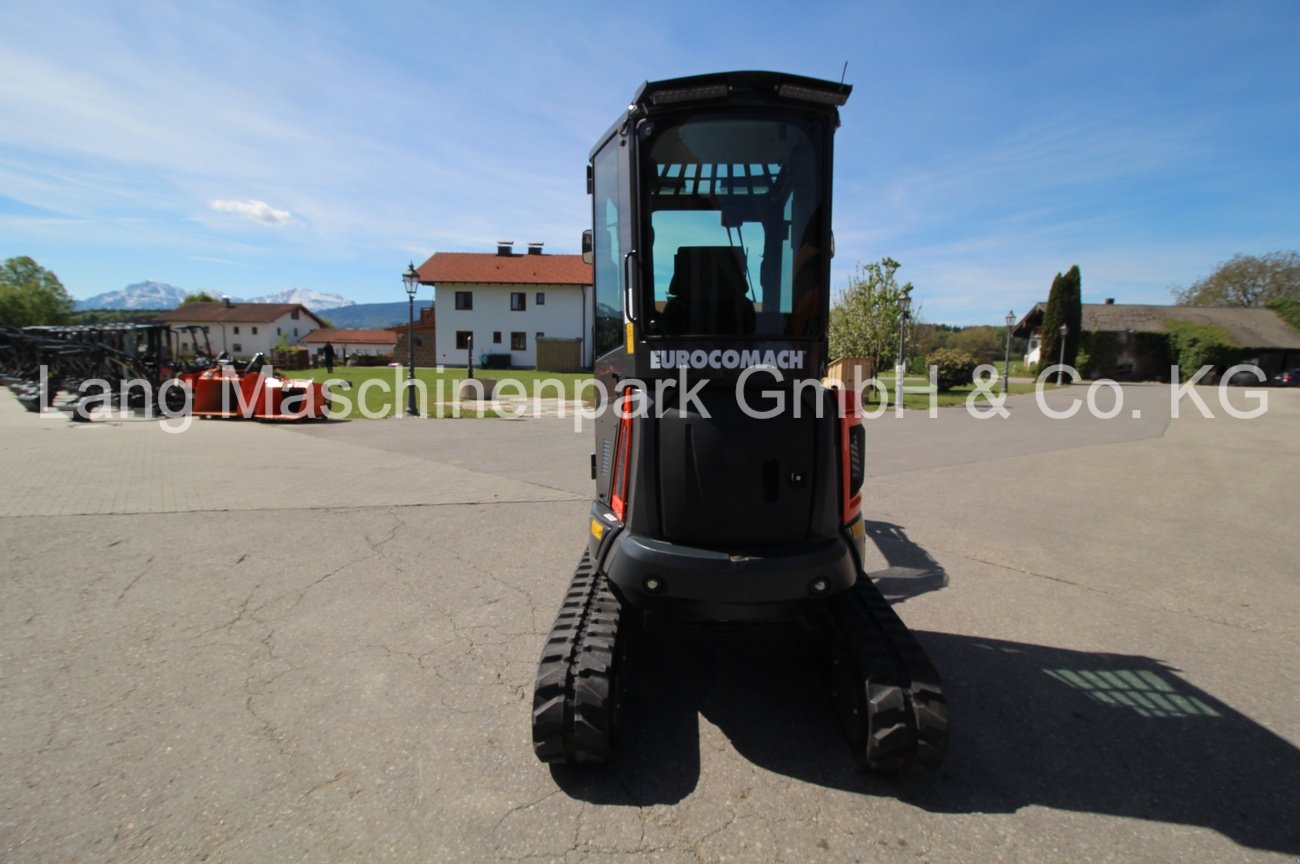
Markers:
point(219, 389)
point(139, 366)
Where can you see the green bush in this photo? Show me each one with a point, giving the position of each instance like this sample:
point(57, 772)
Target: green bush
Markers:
point(953, 368)
point(1197, 345)
point(1288, 309)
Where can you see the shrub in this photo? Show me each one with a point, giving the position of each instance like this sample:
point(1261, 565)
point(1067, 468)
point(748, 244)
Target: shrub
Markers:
point(1288, 308)
point(953, 368)
point(1197, 345)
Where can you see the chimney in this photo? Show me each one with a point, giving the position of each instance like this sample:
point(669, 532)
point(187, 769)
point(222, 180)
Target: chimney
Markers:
point(535, 248)
point(1110, 301)
point(225, 301)
point(505, 247)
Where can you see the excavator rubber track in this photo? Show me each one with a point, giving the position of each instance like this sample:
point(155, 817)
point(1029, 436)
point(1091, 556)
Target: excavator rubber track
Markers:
point(575, 699)
point(887, 693)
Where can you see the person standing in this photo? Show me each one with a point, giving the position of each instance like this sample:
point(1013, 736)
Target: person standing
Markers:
point(329, 358)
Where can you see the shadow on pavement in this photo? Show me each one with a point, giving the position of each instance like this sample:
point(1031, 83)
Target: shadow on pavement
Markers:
point(911, 571)
point(1031, 725)
point(1034, 725)
point(1106, 733)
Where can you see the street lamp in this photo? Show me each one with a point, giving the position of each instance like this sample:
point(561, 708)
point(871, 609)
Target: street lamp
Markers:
point(1006, 364)
point(412, 281)
point(1060, 373)
point(904, 310)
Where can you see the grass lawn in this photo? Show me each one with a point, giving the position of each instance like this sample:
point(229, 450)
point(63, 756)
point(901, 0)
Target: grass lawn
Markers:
point(917, 395)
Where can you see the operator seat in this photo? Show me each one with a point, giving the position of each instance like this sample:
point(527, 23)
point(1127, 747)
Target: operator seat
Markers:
point(707, 293)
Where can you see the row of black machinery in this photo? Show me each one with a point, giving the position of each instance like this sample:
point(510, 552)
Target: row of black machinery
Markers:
point(140, 366)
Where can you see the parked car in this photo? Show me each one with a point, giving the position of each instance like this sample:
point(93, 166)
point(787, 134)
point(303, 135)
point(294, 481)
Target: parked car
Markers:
point(1251, 376)
point(1288, 378)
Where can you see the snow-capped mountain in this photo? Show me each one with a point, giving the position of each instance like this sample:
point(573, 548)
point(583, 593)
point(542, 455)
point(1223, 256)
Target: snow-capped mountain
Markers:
point(160, 295)
point(316, 301)
point(141, 295)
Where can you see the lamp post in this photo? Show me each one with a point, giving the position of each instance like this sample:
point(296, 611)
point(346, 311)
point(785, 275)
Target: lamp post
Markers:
point(1060, 373)
point(1006, 363)
point(904, 309)
point(412, 281)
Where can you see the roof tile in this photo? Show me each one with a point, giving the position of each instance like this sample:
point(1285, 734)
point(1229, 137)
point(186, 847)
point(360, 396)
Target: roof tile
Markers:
point(351, 337)
point(236, 313)
point(490, 268)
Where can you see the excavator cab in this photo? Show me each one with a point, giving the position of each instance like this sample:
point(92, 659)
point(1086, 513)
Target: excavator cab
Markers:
point(711, 219)
point(726, 475)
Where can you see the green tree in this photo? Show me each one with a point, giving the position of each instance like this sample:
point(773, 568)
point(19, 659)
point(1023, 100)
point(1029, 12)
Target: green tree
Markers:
point(1246, 280)
point(115, 316)
point(30, 294)
point(865, 318)
point(200, 297)
point(925, 339)
point(1064, 306)
point(986, 344)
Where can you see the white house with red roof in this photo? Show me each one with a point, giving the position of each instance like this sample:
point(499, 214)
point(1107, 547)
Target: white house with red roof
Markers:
point(507, 301)
point(349, 342)
point(243, 329)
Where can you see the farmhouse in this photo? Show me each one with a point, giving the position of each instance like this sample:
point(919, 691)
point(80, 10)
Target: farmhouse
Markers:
point(244, 329)
point(503, 303)
point(350, 342)
point(1132, 340)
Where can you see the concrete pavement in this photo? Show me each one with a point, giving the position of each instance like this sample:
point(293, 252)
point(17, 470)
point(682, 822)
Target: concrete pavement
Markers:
point(279, 643)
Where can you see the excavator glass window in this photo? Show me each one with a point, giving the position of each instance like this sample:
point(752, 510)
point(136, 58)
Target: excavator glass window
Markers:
point(736, 232)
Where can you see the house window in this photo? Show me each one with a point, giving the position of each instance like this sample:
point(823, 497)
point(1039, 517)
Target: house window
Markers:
point(496, 337)
point(237, 347)
point(464, 301)
point(518, 342)
point(254, 331)
point(518, 301)
point(236, 329)
point(277, 331)
point(463, 338)
point(541, 298)
point(294, 314)
point(295, 331)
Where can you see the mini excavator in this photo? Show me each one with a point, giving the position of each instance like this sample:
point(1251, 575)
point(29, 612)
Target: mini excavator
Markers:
point(727, 476)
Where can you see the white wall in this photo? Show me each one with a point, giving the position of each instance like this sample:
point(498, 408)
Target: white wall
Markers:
point(223, 337)
point(1035, 347)
point(368, 348)
point(561, 317)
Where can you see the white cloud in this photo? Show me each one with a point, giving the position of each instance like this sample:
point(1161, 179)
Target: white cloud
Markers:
point(258, 211)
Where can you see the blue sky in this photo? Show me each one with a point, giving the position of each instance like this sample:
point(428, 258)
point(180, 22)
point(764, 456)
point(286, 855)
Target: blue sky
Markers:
point(245, 148)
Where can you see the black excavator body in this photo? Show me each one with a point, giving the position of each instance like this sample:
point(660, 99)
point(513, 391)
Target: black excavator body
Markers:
point(727, 475)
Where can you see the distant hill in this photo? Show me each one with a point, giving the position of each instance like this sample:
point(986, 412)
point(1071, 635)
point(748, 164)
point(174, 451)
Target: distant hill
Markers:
point(115, 316)
point(160, 295)
point(316, 301)
point(372, 316)
point(141, 295)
